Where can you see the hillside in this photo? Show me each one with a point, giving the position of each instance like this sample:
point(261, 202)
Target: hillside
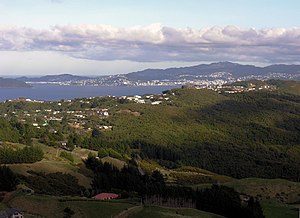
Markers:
point(12, 83)
point(226, 71)
point(238, 135)
point(53, 78)
point(205, 70)
point(229, 133)
point(174, 141)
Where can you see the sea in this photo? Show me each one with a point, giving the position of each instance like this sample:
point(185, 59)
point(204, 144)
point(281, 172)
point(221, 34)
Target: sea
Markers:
point(58, 92)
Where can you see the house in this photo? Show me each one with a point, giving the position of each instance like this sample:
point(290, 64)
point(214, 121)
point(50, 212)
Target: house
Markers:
point(62, 144)
point(140, 101)
point(106, 196)
point(156, 102)
point(11, 213)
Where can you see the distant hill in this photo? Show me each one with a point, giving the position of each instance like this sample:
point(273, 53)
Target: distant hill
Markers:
point(53, 78)
point(226, 71)
point(236, 71)
point(12, 83)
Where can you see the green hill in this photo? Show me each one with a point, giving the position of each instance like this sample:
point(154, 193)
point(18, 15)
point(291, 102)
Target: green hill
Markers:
point(249, 141)
point(248, 134)
point(253, 134)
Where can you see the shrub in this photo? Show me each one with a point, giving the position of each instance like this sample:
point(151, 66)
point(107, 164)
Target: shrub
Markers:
point(114, 153)
point(67, 156)
point(102, 153)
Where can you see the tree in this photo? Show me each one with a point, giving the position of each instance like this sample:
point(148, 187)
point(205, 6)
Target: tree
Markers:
point(255, 208)
point(8, 179)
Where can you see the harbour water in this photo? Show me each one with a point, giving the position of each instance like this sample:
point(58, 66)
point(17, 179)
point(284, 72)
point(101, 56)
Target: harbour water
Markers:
point(57, 92)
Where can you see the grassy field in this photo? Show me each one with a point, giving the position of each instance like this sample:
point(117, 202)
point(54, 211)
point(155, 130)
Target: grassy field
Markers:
point(51, 166)
point(276, 210)
point(116, 162)
point(47, 206)
point(277, 189)
point(275, 195)
point(159, 212)
point(53, 163)
point(82, 153)
point(188, 176)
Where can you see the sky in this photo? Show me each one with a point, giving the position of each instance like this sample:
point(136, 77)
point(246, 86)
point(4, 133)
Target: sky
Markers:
point(97, 37)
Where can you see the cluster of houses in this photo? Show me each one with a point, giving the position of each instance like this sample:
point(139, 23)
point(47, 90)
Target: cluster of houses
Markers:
point(232, 89)
point(78, 118)
point(147, 99)
point(25, 100)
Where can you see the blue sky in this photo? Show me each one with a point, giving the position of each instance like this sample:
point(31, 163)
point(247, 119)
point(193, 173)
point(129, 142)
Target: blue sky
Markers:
point(110, 36)
point(175, 13)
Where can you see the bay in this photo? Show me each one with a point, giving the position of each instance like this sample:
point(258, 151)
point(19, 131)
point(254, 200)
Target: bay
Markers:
point(57, 92)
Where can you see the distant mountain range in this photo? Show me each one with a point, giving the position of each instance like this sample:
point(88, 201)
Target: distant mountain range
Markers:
point(12, 83)
point(228, 68)
point(53, 78)
point(206, 74)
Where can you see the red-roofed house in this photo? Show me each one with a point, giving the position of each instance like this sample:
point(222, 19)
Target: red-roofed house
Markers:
point(106, 196)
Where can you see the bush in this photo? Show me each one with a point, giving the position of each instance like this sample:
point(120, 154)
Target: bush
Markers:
point(102, 153)
point(67, 156)
point(114, 154)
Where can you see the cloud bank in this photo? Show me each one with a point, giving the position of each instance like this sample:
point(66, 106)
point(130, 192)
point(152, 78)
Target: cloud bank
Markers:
point(155, 43)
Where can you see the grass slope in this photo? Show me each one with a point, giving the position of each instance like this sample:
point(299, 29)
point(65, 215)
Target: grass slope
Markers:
point(273, 209)
point(186, 176)
point(47, 206)
point(159, 212)
point(52, 163)
point(276, 195)
point(276, 189)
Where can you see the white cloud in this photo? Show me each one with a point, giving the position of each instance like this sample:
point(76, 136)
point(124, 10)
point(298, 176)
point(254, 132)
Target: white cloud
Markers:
point(155, 43)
